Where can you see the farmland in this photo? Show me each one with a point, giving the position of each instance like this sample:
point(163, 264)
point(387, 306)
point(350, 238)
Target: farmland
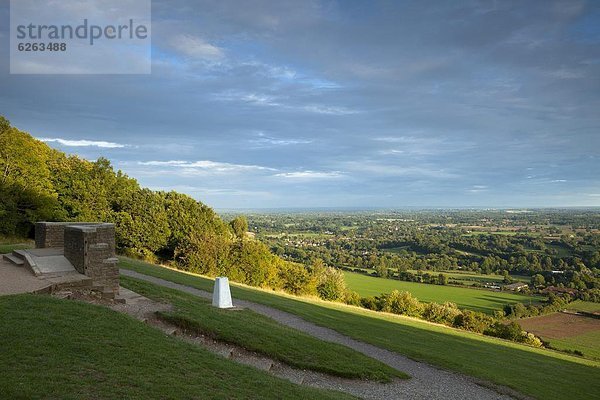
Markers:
point(586, 306)
point(568, 332)
point(473, 299)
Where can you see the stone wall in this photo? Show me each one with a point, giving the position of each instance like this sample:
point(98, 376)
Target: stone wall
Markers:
point(52, 234)
point(90, 248)
point(49, 234)
point(75, 248)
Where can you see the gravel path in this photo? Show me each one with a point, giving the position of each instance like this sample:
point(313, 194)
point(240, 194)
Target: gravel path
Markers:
point(427, 382)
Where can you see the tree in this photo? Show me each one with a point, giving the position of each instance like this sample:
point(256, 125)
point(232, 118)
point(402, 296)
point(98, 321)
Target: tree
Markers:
point(440, 313)
point(381, 269)
point(538, 280)
point(295, 279)
point(142, 225)
point(505, 277)
point(442, 279)
point(4, 124)
point(401, 303)
point(26, 187)
point(239, 226)
point(332, 285)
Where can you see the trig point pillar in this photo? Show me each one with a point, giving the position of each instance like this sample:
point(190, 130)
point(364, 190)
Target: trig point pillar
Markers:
point(221, 293)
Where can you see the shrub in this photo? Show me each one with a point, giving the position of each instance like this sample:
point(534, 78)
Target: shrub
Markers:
point(440, 313)
point(471, 321)
point(401, 303)
point(332, 285)
point(370, 303)
point(352, 298)
point(296, 279)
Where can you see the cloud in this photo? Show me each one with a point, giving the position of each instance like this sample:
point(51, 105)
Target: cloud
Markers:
point(477, 189)
point(197, 48)
point(566, 74)
point(260, 99)
point(195, 190)
point(330, 110)
point(205, 166)
point(268, 141)
point(373, 168)
point(84, 143)
point(310, 175)
point(558, 180)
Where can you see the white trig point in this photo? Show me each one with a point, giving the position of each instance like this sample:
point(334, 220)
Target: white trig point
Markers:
point(221, 293)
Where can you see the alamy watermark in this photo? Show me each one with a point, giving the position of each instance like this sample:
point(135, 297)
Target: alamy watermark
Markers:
point(80, 37)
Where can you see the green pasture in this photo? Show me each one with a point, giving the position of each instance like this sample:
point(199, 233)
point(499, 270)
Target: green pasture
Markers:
point(474, 299)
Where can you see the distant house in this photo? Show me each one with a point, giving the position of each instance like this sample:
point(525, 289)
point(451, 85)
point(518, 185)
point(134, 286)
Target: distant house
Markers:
point(515, 287)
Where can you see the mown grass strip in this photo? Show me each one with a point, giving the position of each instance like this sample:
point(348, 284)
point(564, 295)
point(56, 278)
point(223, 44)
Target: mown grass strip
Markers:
point(261, 334)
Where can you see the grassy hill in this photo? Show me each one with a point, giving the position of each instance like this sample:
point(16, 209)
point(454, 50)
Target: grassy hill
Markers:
point(261, 334)
point(60, 349)
point(473, 299)
point(540, 373)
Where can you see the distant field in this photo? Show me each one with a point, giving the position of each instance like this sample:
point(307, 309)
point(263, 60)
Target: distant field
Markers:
point(586, 306)
point(505, 233)
point(395, 250)
point(473, 299)
point(563, 251)
point(300, 235)
point(468, 278)
point(587, 343)
point(567, 332)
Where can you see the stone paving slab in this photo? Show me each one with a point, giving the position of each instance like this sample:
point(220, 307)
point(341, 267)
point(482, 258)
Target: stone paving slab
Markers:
point(16, 279)
point(52, 251)
point(53, 265)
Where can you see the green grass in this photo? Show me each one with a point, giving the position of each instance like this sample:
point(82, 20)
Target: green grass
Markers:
point(468, 278)
point(563, 251)
point(478, 300)
point(395, 250)
point(540, 373)
point(503, 233)
point(258, 333)
point(61, 349)
point(588, 343)
point(587, 306)
point(9, 247)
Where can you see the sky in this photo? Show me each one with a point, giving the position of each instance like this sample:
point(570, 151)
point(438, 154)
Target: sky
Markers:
point(280, 104)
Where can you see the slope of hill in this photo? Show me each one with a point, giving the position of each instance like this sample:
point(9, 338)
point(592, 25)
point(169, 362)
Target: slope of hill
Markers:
point(540, 373)
point(50, 349)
